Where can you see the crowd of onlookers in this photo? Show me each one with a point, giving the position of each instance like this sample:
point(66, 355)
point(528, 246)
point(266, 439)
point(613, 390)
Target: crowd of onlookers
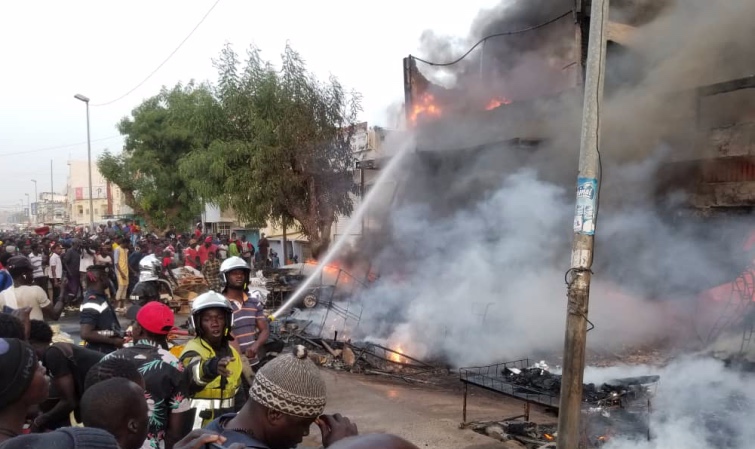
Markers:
point(61, 260)
point(138, 390)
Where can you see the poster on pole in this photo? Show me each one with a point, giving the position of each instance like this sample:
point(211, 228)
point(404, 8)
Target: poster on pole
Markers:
point(587, 206)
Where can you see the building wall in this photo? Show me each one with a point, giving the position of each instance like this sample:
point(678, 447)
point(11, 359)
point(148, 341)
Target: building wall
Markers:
point(78, 195)
point(368, 144)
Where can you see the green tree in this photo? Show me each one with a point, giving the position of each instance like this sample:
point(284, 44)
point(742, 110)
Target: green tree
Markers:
point(285, 152)
point(158, 134)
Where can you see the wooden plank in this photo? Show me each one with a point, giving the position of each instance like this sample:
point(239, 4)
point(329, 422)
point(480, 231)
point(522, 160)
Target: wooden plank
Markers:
point(620, 33)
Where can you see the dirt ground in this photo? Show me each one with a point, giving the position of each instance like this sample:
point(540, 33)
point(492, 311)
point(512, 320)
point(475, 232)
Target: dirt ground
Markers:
point(428, 416)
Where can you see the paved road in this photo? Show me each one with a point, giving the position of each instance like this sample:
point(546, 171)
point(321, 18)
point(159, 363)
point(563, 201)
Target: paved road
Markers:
point(427, 416)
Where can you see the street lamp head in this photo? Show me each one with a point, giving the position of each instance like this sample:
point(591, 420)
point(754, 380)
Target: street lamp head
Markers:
point(34, 181)
point(82, 98)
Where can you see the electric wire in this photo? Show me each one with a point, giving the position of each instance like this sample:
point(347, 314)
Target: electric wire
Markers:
point(505, 33)
point(60, 147)
point(164, 61)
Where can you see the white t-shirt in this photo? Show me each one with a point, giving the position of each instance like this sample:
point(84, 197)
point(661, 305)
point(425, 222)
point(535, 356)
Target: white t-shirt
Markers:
point(29, 296)
point(87, 260)
point(56, 266)
point(103, 260)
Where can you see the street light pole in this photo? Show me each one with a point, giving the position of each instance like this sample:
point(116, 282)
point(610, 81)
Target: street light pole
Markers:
point(36, 200)
point(28, 205)
point(52, 196)
point(89, 162)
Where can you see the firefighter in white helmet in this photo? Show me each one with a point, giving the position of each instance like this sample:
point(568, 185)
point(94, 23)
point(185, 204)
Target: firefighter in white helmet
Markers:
point(213, 364)
point(250, 326)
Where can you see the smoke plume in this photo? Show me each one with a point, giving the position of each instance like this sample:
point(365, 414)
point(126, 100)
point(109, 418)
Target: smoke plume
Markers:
point(473, 247)
point(699, 405)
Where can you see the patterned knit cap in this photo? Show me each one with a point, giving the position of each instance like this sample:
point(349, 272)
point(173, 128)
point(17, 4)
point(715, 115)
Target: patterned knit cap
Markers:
point(290, 384)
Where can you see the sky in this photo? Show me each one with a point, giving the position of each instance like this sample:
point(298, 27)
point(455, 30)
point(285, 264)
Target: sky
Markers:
point(53, 50)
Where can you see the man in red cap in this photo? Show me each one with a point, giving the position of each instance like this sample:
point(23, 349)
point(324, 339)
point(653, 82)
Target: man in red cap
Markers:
point(166, 386)
point(205, 250)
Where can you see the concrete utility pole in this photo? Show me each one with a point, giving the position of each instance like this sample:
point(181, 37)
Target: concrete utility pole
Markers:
point(586, 213)
point(36, 202)
point(52, 196)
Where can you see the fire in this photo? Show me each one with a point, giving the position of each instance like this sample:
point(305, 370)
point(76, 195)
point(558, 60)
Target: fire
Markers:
point(396, 356)
point(333, 268)
point(424, 106)
point(496, 102)
point(548, 437)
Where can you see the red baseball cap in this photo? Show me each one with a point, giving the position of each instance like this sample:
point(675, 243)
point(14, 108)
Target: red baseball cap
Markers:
point(156, 317)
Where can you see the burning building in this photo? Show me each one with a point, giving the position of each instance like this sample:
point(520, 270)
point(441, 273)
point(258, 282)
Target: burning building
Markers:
point(500, 129)
point(472, 238)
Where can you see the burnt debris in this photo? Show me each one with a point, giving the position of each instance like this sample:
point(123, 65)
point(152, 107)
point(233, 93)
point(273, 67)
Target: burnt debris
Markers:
point(544, 381)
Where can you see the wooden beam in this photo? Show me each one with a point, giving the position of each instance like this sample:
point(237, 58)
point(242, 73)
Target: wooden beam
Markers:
point(620, 33)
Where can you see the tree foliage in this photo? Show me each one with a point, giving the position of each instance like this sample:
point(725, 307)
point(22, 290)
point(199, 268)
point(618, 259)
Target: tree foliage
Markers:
point(277, 145)
point(160, 131)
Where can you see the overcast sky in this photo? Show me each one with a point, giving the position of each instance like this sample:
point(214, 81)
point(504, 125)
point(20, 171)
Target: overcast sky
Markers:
point(52, 50)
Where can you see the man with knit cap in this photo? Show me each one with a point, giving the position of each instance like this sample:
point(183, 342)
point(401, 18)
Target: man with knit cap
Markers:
point(287, 396)
point(22, 385)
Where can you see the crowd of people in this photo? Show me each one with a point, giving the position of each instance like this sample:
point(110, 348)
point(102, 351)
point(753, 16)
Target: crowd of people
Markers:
point(60, 260)
point(135, 389)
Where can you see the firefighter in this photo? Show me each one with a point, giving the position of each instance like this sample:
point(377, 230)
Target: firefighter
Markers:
point(214, 365)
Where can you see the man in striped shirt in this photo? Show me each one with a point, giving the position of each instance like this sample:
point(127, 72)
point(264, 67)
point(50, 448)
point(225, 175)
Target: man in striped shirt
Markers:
point(250, 327)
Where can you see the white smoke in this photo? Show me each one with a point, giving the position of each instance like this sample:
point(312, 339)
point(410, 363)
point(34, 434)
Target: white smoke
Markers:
point(699, 405)
point(487, 283)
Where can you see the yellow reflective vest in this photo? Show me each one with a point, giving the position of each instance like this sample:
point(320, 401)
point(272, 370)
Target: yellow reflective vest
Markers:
point(211, 401)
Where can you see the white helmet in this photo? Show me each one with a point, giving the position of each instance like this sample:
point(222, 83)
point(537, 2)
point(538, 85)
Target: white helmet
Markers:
point(230, 264)
point(149, 267)
point(211, 300)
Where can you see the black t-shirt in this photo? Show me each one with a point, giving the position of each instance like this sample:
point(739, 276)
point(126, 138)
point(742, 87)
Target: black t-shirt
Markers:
point(97, 311)
point(61, 362)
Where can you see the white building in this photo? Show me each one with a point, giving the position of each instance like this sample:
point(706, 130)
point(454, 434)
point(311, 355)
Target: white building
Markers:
point(52, 208)
point(107, 199)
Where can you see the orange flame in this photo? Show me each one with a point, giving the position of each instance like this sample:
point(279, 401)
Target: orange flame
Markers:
point(333, 268)
point(548, 437)
point(496, 102)
point(396, 356)
point(424, 106)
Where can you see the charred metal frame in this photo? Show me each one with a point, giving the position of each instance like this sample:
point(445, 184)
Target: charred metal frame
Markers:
point(489, 378)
